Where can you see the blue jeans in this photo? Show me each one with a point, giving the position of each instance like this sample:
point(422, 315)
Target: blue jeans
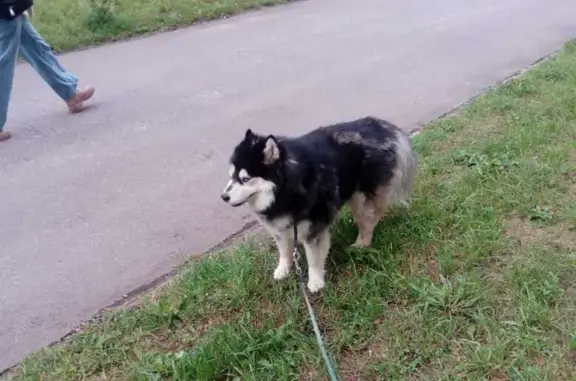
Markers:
point(19, 36)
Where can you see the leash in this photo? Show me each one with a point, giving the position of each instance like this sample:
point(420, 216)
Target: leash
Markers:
point(302, 282)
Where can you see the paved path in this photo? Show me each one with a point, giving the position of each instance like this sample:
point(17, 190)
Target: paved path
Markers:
point(95, 205)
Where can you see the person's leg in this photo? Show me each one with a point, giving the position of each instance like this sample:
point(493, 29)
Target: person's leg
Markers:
point(39, 55)
point(10, 32)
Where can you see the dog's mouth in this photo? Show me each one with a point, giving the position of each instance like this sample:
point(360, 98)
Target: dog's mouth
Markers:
point(240, 203)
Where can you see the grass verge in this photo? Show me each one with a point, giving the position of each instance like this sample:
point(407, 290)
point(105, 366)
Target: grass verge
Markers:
point(477, 281)
point(72, 24)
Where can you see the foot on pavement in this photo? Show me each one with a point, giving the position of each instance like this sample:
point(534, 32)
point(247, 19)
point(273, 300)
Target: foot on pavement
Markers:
point(76, 103)
point(5, 135)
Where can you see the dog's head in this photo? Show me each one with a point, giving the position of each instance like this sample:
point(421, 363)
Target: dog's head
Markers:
point(254, 172)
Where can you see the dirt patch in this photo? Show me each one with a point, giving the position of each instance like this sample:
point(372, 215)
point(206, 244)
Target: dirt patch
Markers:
point(308, 374)
point(354, 363)
point(418, 261)
point(570, 178)
point(167, 340)
point(560, 236)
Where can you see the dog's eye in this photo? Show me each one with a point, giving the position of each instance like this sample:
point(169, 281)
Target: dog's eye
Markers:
point(244, 179)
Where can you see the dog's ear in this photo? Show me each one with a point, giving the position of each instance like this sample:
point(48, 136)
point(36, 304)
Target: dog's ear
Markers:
point(271, 150)
point(249, 134)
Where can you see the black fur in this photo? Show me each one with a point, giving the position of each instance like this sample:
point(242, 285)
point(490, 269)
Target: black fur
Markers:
point(318, 172)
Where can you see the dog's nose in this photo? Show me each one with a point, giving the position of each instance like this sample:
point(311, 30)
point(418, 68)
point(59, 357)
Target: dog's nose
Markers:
point(225, 197)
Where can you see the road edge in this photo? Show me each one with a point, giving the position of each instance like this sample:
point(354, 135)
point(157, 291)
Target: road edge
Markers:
point(249, 228)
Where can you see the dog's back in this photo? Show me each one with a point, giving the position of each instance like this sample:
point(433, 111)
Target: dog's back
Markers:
point(366, 154)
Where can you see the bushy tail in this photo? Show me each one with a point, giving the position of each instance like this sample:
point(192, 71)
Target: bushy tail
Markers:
point(407, 165)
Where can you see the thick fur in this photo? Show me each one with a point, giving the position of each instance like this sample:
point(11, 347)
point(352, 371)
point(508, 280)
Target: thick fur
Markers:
point(367, 163)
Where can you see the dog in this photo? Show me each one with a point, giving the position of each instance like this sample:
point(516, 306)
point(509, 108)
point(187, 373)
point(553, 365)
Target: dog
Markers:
point(368, 164)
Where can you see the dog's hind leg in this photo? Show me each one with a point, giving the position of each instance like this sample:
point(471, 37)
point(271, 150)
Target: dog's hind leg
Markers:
point(367, 212)
point(317, 250)
point(285, 244)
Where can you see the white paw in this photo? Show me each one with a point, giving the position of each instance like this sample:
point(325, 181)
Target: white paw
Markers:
point(282, 271)
point(315, 284)
point(359, 244)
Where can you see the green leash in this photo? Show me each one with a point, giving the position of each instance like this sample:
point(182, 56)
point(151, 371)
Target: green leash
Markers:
point(296, 257)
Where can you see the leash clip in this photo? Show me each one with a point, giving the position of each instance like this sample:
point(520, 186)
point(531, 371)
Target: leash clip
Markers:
point(296, 260)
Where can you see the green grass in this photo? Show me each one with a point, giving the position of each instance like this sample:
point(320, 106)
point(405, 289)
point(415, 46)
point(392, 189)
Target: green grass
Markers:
point(477, 281)
point(71, 24)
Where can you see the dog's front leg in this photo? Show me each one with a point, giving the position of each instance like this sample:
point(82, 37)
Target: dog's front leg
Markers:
point(317, 250)
point(285, 244)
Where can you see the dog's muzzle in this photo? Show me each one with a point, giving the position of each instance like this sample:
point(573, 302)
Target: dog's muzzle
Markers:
point(226, 198)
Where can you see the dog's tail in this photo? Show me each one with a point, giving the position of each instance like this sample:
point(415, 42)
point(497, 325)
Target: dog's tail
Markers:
point(405, 172)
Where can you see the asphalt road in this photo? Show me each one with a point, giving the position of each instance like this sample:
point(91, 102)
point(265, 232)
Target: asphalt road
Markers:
point(97, 204)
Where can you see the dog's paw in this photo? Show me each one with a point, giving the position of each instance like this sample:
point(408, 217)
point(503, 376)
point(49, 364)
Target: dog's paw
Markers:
point(359, 244)
point(282, 271)
point(315, 284)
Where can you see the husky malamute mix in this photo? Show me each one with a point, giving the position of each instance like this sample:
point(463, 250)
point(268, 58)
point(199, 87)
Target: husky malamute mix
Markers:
point(367, 163)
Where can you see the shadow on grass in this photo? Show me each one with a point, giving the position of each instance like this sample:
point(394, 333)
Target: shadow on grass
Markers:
point(400, 232)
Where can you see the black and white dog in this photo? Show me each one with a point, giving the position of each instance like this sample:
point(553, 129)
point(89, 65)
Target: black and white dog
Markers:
point(367, 163)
